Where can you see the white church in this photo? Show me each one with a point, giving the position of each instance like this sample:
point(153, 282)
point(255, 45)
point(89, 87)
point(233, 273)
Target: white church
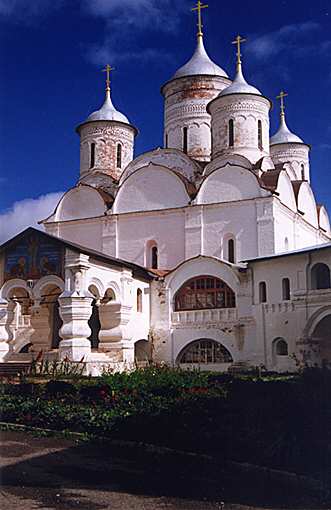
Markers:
point(210, 252)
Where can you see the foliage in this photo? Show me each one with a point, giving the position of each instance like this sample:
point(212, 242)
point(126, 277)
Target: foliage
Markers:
point(279, 421)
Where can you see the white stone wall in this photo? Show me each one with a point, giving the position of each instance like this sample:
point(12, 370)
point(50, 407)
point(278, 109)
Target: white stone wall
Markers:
point(245, 110)
point(296, 154)
point(106, 135)
point(186, 101)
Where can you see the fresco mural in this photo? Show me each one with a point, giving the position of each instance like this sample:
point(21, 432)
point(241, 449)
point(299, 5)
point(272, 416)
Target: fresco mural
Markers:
point(33, 257)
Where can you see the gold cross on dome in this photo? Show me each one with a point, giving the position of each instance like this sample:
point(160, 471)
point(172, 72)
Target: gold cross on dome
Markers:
point(108, 70)
point(238, 42)
point(281, 96)
point(199, 8)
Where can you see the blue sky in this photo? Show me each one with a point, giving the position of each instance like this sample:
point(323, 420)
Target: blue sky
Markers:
point(52, 53)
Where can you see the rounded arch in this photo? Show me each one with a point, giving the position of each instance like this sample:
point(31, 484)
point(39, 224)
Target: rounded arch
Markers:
point(204, 292)
point(46, 281)
point(285, 191)
point(151, 188)
point(113, 287)
point(13, 284)
point(315, 319)
point(320, 276)
point(98, 285)
point(204, 351)
point(173, 159)
point(228, 184)
point(142, 351)
point(82, 201)
point(306, 203)
point(202, 265)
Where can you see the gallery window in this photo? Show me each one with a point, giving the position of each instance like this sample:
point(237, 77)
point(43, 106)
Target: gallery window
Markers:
point(320, 277)
point(204, 292)
point(205, 351)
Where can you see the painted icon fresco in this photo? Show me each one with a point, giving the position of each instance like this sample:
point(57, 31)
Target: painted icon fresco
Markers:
point(32, 257)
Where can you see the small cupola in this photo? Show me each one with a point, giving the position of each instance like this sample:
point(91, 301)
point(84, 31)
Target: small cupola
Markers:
point(288, 148)
point(240, 118)
point(106, 139)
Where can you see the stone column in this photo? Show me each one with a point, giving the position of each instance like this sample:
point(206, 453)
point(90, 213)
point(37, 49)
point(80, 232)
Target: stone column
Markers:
point(113, 318)
point(75, 310)
point(4, 331)
point(40, 337)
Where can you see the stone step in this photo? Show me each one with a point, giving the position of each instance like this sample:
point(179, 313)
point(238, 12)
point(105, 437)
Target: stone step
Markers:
point(13, 368)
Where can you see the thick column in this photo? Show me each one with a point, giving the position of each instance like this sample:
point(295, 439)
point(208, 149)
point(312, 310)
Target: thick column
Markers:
point(40, 337)
point(75, 310)
point(4, 331)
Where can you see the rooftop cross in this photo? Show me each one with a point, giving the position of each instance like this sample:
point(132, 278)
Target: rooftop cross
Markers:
point(198, 8)
point(282, 103)
point(238, 41)
point(107, 70)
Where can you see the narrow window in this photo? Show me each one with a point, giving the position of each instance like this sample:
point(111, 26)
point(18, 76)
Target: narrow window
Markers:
point(262, 292)
point(260, 134)
point(185, 139)
point(119, 156)
point(231, 255)
point(286, 244)
point(166, 140)
point(92, 155)
point(139, 300)
point(286, 289)
point(281, 348)
point(231, 133)
point(303, 177)
point(154, 257)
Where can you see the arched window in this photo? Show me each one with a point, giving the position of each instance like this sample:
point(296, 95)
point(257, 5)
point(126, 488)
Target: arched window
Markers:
point(262, 292)
point(260, 134)
point(154, 257)
point(185, 140)
point(205, 351)
point(119, 156)
point(286, 289)
point(231, 133)
point(139, 300)
point(204, 292)
point(320, 277)
point(92, 155)
point(231, 251)
point(280, 347)
point(303, 176)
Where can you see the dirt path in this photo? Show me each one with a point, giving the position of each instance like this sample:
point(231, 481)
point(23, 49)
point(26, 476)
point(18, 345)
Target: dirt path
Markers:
point(51, 473)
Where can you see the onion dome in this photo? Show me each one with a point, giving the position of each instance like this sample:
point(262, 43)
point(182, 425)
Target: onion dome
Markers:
point(200, 64)
point(240, 85)
point(107, 112)
point(284, 135)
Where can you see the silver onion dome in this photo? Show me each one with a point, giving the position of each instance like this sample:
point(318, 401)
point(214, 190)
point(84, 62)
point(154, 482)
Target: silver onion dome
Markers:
point(240, 86)
point(284, 135)
point(200, 64)
point(107, 112)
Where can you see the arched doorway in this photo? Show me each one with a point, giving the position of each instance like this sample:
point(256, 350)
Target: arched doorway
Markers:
point(94, 320)
point(321, 338)
point(142, 352)
point(50, 300)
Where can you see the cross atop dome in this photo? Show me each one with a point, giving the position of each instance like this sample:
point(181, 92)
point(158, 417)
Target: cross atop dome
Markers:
point(238, 41)
point(281, 97)
point(108, 70)
point(198, 9)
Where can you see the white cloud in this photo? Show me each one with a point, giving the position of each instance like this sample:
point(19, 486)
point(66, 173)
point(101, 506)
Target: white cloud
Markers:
point(298, 38)
point(26, 213)
point(126, 22)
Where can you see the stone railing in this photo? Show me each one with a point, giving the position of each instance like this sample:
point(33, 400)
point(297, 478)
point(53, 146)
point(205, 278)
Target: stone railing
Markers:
point(213, 316)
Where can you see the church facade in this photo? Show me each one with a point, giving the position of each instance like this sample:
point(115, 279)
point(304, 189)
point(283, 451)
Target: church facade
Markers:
point(210, 252)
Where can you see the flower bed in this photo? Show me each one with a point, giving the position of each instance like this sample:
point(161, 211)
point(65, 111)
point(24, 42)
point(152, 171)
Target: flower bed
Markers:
point(281, 422)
